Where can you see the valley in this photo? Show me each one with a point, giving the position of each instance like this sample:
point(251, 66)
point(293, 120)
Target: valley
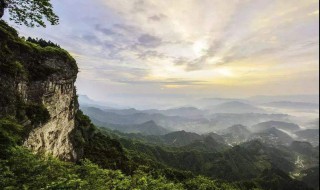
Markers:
point(207, 142)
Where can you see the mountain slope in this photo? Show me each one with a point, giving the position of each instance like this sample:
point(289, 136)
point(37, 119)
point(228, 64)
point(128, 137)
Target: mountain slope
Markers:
point(181, 138)
point(273, 136)
point(275, 124)
point(310, 135)
point(207, 144)
point(147, 128)
point(125, 117)
point(236, 134)
point(109, 116)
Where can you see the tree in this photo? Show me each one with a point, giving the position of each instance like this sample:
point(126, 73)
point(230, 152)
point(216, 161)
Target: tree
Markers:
point(29, 12)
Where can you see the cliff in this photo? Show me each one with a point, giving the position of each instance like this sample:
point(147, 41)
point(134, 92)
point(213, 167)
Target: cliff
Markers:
point(37, 90)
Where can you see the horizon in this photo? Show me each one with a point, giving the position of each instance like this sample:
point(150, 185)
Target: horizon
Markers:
point(196, 102)
point(149, 52)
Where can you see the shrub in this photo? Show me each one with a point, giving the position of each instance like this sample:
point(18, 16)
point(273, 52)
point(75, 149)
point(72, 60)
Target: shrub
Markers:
point(37, 114)
point(42, 42)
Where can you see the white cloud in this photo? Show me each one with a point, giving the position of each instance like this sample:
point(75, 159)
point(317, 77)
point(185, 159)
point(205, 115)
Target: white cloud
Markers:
point(242, 43)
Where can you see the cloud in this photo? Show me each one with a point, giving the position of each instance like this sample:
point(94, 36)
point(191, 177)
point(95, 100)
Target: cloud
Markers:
point(92, 39)
point(157, 18)
point(207, 45)
point(172, 82)
point(139, 6)
point(149, 40)
point(126, 28)
point(150, 54)
point(105, 31)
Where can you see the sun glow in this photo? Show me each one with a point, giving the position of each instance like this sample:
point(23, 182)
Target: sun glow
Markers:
point(214, 60)
point(226, 72)
point(200, 47)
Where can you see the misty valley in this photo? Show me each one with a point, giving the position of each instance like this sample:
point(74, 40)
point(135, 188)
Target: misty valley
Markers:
point(226, 139)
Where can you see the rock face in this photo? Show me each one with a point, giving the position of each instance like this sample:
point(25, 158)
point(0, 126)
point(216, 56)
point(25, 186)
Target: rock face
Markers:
point(53, 136)
point(42, 77)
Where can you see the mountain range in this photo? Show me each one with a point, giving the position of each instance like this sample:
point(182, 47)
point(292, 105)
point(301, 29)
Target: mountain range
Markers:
point(293, 105)
point(235, 107)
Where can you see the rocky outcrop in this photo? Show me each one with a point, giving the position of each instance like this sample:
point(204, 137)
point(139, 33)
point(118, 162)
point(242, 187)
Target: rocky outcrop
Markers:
point(53, 136)
point(34, 77)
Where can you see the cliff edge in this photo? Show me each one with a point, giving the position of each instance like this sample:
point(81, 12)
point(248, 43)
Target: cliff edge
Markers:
point(37, 90)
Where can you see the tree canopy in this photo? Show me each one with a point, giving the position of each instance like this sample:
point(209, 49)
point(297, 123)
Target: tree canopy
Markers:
point(29, 12)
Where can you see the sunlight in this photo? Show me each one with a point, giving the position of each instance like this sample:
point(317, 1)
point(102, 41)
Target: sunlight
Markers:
point(226, 72)
point(200, 47)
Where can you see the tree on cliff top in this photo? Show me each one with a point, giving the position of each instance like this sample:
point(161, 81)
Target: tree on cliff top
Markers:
point(29, 12)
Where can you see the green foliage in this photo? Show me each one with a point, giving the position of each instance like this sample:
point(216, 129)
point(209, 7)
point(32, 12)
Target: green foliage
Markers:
point(83, 129)
point(30, 12)
point(97, 147)
point(143, 181)
point(42, 42)
point(24, 170)
point(243, 165)
point(14, 68)
point(83, 120)
point(106, 152)
point(20, 58)
point(311, 176)
point(37, 114)
point(98, 178)
point(10, 135)
point(29, 171)
point(203, 183)
point(21, 169)
point(276, 179)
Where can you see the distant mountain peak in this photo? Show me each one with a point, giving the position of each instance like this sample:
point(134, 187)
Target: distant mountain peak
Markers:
point(151, 122)
point(273, 136)
point(275, 124)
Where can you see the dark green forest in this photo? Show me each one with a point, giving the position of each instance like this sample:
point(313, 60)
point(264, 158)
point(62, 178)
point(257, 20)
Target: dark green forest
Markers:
point(108, 165)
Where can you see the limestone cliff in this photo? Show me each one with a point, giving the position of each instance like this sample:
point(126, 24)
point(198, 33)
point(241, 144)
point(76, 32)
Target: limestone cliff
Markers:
point(37, 89)
point(53, 136)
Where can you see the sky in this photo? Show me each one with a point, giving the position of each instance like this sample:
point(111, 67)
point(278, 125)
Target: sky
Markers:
point(158, 52)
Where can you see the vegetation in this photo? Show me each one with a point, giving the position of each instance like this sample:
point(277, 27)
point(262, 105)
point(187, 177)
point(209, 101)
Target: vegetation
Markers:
point(10, 135)
point(24, 170)
point(29, 12)
point(311, 176)
point(21, 169)
point(14, 68)
point(37, 114)
point(251, 165)
point(113, 163)
point(26, 59)
point(43, 43)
